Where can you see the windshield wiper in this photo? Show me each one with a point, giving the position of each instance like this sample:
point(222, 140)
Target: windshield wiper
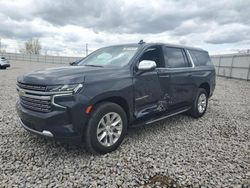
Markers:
point(93, 65)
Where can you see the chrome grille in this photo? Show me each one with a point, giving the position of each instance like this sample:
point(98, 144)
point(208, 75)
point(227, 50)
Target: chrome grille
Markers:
point(31, 87)
point(36, 104)
point(32, 97)
point(36, 98)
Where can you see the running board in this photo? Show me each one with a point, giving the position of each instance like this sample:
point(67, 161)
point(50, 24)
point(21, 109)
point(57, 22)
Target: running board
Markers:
point(167, 116)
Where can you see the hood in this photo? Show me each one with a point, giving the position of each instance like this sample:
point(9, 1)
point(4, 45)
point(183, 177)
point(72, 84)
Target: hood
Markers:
point(56, 76)
point(70, 75)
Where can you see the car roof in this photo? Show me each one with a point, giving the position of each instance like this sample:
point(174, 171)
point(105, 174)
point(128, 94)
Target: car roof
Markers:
point(165, 44)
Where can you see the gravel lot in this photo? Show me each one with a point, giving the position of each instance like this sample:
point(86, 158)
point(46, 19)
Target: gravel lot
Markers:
point(213, 151)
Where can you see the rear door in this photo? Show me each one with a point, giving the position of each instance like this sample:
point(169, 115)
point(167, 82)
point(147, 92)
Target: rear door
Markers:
point(176, 78)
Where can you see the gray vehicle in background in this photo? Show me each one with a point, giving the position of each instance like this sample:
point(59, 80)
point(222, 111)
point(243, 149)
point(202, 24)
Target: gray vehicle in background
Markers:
point(4, 63)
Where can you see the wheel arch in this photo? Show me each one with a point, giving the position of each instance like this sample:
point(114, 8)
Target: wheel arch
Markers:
point(121, 101)
point(205, 86)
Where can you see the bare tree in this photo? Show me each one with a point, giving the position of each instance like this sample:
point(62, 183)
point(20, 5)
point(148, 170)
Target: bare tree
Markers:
point(32, 46)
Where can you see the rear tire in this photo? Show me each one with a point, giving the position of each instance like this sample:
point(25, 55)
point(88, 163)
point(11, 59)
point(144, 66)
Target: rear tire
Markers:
point(200, 104)
point(106, 128)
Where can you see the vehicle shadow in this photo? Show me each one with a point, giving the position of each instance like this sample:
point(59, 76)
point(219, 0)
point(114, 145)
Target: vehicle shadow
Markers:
point(55, 148)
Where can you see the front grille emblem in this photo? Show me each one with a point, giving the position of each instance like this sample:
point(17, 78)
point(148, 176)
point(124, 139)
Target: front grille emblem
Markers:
point(21, 93)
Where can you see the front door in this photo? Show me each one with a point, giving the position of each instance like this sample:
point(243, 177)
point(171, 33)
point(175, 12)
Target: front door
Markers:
point(147, 92)
point(147, 88)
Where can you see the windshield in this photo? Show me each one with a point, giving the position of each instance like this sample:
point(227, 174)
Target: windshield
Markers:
point(110, 56)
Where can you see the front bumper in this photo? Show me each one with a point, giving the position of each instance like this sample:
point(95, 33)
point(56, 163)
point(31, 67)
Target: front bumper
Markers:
point(64, 125)
point(44, 133)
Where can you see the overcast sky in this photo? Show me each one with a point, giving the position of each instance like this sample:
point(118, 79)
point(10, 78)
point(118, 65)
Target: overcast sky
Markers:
point(65, 26)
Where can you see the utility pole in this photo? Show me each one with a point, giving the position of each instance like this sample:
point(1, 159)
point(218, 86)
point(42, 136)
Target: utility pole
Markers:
point(86, 49)
point(0, 44)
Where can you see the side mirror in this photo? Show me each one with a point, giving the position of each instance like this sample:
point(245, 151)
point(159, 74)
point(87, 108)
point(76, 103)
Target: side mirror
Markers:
point(72, 63)
point(147, 65)
point(76, 62)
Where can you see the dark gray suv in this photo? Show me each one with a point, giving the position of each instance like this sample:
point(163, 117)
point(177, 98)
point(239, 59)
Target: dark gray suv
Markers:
point(115, 88)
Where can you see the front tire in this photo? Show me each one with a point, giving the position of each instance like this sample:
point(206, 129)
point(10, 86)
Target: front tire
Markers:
point(200, 104)
point(106, 128)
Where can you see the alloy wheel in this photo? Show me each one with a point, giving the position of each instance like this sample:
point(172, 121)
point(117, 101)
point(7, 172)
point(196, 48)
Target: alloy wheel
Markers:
point(109, 129)
point(202, 103)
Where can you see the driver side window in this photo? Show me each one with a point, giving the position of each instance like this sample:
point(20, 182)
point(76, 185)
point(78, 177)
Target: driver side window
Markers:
point(154, 54)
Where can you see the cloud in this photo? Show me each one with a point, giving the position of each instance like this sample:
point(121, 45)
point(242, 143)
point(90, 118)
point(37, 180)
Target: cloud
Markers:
point(23, 29)
point(119, 16)
point(72, 23)
point(230, 33)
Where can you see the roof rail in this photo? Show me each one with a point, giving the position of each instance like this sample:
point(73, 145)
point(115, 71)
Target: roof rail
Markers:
point(141, 42)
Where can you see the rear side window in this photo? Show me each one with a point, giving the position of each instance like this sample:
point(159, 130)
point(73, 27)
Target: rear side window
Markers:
point(175, 58)
point(200, 58)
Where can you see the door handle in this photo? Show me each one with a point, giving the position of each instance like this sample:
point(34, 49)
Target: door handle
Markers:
point(164, 76)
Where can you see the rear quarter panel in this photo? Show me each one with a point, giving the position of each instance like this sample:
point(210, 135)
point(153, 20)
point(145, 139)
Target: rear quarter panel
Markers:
point(205, 74)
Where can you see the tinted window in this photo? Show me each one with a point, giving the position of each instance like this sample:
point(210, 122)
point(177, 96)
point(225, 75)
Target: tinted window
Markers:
point(175, 58)
point(200, 58)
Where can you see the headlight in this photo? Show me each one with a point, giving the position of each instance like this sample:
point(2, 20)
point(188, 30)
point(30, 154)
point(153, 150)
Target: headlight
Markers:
point(74, 88)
